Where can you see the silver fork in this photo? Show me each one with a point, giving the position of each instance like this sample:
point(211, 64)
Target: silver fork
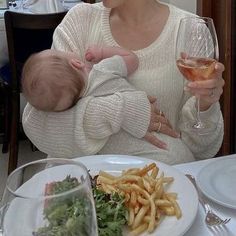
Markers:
point(211, 218)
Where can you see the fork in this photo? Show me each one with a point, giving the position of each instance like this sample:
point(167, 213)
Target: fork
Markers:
point(211, 218)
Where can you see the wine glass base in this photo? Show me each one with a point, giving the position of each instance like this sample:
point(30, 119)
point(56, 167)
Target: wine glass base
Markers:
point(201, 128)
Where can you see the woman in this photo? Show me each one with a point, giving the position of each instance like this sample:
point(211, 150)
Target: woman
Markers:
point(116, 122)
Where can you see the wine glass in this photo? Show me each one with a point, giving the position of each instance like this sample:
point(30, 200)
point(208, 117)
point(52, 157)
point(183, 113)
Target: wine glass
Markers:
point(67, 4)
point(196, 55)
point(15, 5)
point(48, 197)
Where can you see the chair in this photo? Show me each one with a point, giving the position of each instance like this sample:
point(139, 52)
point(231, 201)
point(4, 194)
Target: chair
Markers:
point(26, 34)
point(4, 81)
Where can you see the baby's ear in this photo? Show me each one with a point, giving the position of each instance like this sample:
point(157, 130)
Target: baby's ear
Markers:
point(76, 64)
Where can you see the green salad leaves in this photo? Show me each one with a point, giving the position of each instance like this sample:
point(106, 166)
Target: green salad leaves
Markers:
point(69, 216)
point(111, 212)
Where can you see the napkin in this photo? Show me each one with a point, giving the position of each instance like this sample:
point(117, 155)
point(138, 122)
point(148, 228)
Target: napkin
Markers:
point(43, 6)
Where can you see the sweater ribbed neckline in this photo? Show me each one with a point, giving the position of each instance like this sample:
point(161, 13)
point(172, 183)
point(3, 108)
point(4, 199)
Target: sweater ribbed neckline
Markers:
point(108, 37)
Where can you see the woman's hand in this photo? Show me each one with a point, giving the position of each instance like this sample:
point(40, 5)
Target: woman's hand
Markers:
point(208, 90)
point(160, 124)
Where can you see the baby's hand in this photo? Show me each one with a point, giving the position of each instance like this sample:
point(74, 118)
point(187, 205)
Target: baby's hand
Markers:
point(93, 54)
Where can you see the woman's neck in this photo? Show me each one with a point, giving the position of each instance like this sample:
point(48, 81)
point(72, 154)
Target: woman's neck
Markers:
point(138, 23)
point(134, 12)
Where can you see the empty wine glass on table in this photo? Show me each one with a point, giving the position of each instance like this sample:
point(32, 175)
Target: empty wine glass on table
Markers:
point(67, 4)
point(196, 55)
point(15, 5)
point(48, 197)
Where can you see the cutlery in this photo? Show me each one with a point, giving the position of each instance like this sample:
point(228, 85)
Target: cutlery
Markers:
point(211, 219)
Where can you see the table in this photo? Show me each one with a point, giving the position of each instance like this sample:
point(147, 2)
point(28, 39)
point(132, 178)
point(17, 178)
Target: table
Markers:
point(199, 228)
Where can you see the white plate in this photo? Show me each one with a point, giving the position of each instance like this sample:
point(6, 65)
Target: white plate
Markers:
point(187, 196)
point(217, 181)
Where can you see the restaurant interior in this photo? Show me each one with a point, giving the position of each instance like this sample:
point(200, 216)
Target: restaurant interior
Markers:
point(23, 33)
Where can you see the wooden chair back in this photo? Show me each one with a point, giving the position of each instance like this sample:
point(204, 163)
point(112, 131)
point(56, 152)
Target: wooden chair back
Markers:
point(26, 34)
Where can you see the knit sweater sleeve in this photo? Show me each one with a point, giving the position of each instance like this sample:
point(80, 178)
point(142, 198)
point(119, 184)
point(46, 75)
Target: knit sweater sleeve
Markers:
point(71, 34)
point(85, 128)
point(207, 145)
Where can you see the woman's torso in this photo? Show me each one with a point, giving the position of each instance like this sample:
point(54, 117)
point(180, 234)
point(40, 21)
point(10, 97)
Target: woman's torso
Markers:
point(157, 75)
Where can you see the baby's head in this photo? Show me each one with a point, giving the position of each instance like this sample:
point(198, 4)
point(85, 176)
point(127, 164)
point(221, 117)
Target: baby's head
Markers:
point(51, 81)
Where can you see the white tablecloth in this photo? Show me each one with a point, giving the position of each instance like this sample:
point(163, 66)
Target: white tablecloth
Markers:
point(199, 227)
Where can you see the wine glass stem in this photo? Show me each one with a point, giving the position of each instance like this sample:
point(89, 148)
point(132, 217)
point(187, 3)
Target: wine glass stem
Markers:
point(1, 219)
point(198, 124)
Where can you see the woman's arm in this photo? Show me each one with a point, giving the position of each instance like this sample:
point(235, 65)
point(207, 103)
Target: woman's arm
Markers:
point(85, 128)
point(75, 132)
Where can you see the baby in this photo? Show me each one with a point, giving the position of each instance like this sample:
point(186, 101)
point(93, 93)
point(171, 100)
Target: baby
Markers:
point(55, 80)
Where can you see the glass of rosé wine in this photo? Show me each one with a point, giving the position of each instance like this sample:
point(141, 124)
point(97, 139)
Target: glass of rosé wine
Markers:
point(196, 55)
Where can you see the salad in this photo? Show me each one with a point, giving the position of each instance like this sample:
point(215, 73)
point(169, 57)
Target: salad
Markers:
point(66, 217)
point(137, 198)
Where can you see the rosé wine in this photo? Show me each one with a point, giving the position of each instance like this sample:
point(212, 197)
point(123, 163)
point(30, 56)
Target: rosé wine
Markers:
point(196, 68)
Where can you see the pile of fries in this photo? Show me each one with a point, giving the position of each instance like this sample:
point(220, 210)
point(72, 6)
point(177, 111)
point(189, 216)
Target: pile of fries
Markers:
point(145, 196)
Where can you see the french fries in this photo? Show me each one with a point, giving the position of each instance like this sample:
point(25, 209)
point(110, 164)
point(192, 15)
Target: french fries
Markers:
point(145, 196)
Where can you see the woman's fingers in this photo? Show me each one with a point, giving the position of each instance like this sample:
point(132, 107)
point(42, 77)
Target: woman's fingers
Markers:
point(209, 90)
point(155, 141)
point(152, 99)
point(219, 69)
point(165, 129)
point(159, 122)
point(206, 84)
point(156, 120)
point(162, 125)
point(214, 80)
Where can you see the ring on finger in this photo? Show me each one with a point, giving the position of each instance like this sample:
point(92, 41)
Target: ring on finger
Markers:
point(212, 93)
point(159, 127)
point(160, 113)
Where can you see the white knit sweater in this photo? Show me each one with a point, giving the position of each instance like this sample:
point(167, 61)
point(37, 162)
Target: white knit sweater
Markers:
point(73, 133)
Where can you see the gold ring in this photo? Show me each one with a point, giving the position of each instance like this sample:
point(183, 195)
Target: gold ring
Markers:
point(212, 93)
point(159, 127)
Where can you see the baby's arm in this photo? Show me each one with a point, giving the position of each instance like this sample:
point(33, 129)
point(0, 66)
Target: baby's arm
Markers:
point(95, 54)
